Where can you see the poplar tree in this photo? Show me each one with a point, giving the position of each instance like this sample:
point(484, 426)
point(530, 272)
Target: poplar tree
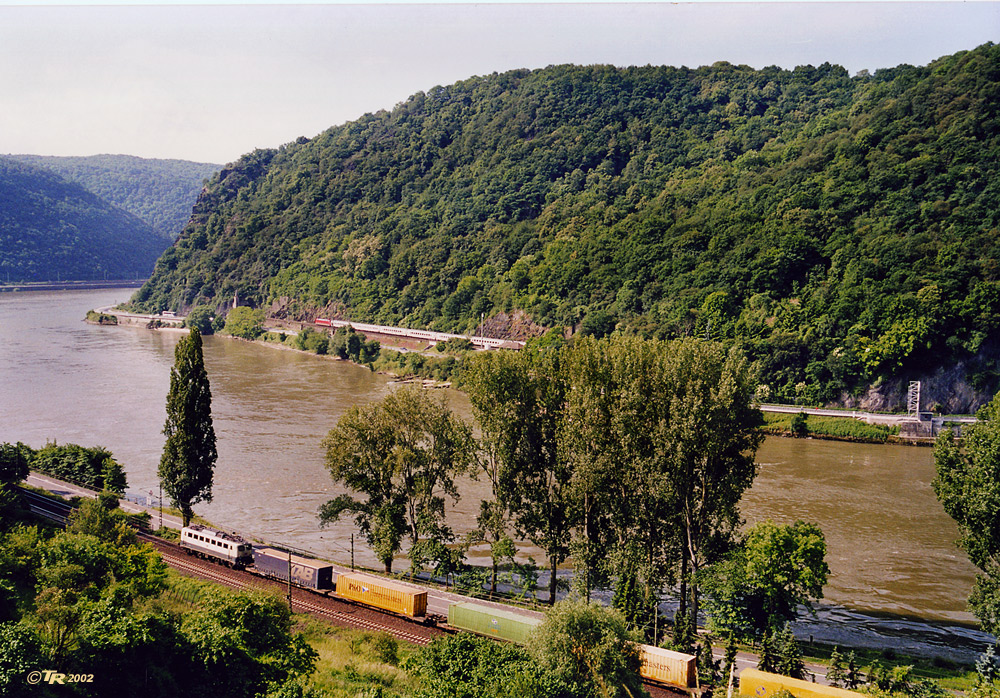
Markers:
point(189, 454)
point(519, 400)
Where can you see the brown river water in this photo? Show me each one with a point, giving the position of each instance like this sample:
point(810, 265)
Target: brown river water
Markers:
point(897, 578)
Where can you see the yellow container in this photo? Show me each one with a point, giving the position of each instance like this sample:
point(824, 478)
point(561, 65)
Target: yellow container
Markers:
point(380, 593)
point(761, 684)
point(666, 666)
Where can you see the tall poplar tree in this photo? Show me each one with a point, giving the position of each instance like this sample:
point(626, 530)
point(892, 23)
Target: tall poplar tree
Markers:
point(519, 400)
point(189, 454)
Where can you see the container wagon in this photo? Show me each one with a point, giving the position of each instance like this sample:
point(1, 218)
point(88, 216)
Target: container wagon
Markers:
point(492, 622)
point(761, 684)
point(668, 667)
point(225, 547)
point(380, 593)
point(311, 574)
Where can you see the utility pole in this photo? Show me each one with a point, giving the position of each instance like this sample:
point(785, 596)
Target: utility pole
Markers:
point(289, 581)
point(161, 505)
point(352, 552)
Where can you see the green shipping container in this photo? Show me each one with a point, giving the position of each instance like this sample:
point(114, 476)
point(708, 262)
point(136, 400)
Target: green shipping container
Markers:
point(492, 622)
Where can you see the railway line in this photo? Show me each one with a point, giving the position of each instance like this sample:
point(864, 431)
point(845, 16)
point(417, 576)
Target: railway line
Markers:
point(330, 609)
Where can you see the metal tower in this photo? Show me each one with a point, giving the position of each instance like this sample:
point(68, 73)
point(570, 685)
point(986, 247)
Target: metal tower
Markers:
point(913, 400)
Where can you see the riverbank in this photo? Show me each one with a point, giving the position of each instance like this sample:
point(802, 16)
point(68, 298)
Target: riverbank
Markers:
point(70, 285)
point(86, 384)
point(415, 361)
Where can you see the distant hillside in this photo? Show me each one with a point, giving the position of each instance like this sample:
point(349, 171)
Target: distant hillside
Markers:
point(160, 192)
point(53, 229)
point(843, 230)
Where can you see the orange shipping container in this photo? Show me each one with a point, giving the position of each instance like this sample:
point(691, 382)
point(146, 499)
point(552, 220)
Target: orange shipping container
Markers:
point(762, 684)
point(380, 593)
point(666, 666)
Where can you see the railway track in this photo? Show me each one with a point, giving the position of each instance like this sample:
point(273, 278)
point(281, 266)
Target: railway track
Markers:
point(339, 612)
point(330, 609)
point(57, 510)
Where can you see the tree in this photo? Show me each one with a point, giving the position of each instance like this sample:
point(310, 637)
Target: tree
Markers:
point(615, 429)
point(800, 425)
point(589, 649)
point(14, 463)
point(853, 678)
point(760, 585)
point(968, 486)
point(20, 652)
point(519, 401)
point(403, 453)
point(188, 460)
point(93, 518)
point(988, 665)
point(79, 571)
point(789, 655)
point(200, 318)
point(900, 681)
point(347, 343)
point(243, 642)
point(466, 666)
point(93, 467)
point(244, 322)
point(711, 435)
point(492, 382)
point(14, 467)
point(836, 673)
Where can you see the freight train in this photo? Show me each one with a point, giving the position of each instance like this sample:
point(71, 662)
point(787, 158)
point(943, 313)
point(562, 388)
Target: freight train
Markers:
point(657, 665)
point(762, 684)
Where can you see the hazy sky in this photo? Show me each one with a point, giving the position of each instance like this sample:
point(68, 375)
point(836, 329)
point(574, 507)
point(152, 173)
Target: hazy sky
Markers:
point(211, 82)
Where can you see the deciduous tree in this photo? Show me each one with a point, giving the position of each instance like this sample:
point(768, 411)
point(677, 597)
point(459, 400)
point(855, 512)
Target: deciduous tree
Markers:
point(711, 437)
point(519, 400)
point(589, 649)
point(403, 454)
point(246, 323)
point(968, 485)
point(775, 569)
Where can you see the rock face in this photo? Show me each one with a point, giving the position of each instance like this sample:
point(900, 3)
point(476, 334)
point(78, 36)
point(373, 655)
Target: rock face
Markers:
point(516, 325)
point(960, 388)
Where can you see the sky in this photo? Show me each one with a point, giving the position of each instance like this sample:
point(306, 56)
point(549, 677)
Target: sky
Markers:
point(211, 82)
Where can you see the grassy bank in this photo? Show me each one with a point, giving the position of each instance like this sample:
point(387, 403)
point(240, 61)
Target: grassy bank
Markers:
point(842, 428)
point(351, 663)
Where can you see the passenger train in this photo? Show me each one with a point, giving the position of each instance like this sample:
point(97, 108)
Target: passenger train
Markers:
point(485, 342)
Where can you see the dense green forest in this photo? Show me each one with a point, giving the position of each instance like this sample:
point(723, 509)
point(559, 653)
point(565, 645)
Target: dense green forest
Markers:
point(160, 192)
point(52, 229)
point(842, 229)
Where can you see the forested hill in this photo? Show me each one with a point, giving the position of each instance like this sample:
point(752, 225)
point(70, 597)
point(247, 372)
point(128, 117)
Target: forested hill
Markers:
point(843, 229)
point(52, 229)
point(160, 192)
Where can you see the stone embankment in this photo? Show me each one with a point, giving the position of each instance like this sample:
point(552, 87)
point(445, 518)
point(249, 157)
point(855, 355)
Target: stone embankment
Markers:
point(163, 320)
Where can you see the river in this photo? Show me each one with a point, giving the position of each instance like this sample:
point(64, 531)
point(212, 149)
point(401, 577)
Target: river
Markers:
point(897, 578)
